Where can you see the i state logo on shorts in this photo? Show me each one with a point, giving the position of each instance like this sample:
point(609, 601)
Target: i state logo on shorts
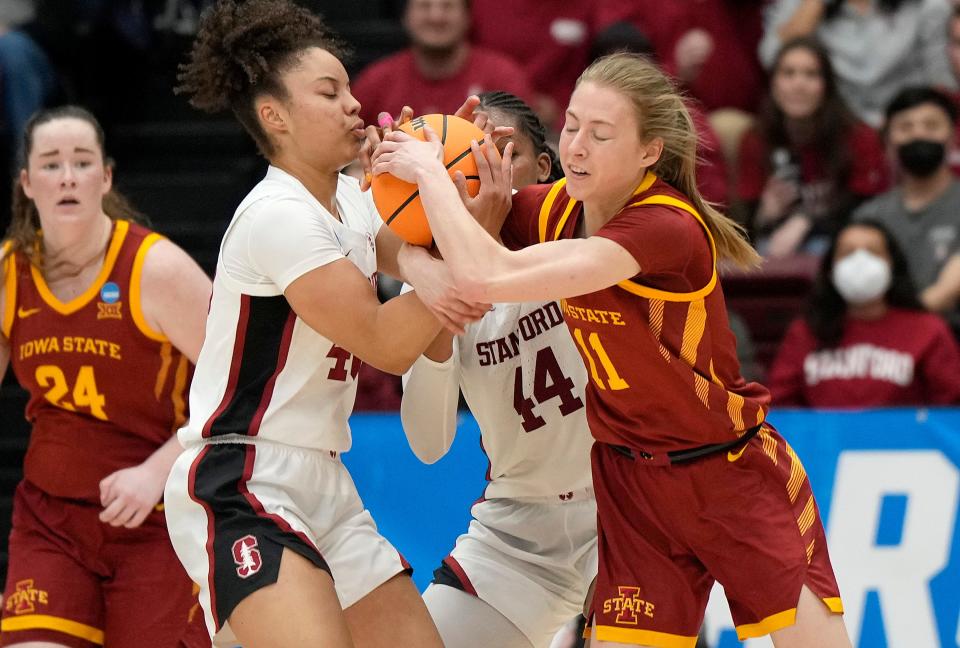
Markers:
point(247, 556)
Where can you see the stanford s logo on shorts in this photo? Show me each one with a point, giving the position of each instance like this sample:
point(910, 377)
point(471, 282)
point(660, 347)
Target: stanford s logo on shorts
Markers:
point(247, 556)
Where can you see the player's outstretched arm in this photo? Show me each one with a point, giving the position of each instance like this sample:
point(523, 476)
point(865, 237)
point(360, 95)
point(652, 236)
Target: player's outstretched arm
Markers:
point(483, 270)
point(338, 302)
point(431, 390)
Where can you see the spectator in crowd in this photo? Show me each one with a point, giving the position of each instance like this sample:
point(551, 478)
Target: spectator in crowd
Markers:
point(923, 210)
point(439, 68)
point(551, 40)
point(26, 75)
point(953, 55)
point(809, 161)
point(699, 42)
point(877, 47)
point(865, 340)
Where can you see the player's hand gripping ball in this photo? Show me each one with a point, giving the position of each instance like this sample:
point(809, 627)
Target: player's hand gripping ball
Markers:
point(399, 202)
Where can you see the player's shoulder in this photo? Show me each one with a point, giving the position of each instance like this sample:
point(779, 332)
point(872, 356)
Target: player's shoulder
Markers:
point(662, 202)
point(533, 196)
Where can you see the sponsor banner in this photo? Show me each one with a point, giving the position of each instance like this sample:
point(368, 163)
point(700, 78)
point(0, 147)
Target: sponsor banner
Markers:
point(886, 482)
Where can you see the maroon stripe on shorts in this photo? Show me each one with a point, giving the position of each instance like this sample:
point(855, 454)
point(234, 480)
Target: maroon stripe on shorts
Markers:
point(461, 575)
point(257, 505)
point(191, 491)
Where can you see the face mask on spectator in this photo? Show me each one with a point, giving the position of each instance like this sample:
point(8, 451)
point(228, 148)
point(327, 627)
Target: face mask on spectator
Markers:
point(861, 277)
point(920, 158)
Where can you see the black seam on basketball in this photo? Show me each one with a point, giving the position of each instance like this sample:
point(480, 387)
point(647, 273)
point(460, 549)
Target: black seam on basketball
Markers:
point(458, 158)
point(471, 177)
point(400, 208)
point(443, 135)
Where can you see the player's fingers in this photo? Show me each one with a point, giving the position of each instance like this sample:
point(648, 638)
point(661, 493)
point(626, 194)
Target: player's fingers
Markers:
point(125, 515)
point(465, 111)
point(139, 516)
point(483, 166)
point(501, 131)
point(106, 489)
point(506, 162)
point(109, 514)
point(430, 135)
point(482, 121)
point(460, 181)
point(385, 122)
point(406, 114)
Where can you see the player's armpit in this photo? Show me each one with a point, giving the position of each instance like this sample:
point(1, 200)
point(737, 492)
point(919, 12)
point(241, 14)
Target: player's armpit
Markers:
point(175, 296)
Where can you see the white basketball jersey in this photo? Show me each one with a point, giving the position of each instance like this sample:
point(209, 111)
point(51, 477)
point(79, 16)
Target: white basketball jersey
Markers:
point(262, 371)
point(524, 381)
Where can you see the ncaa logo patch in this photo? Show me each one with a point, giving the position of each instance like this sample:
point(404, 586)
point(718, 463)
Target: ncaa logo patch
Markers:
point(110, 293)
point(247, 556)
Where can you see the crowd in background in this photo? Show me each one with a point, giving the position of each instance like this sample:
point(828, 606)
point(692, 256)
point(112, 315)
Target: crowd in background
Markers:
point(829, 129)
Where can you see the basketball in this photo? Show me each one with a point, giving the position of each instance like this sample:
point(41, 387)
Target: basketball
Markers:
point(398, 202)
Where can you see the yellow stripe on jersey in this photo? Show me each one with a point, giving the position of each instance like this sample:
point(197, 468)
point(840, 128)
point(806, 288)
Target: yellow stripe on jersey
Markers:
point(702, 387)
point(693, 328)
point(9, 289)
point(797, 475)
point(551, 198)
point(666, 295)
point(136, 304)
point(548, 205)
point(178, 393)
point(47, 622)
point(806, 519)
point(571, 203)
point(113, 251)
point(166, 357)
point(769, 445)
point(735, 409)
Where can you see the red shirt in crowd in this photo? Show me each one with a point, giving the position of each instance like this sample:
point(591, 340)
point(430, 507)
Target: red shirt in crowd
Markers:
point(732, 76)
point(393, 82)
point(868, 173)
point(906, 358)
point(550, 39)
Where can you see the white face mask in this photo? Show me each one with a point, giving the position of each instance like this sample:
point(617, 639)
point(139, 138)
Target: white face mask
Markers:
point(861, 277)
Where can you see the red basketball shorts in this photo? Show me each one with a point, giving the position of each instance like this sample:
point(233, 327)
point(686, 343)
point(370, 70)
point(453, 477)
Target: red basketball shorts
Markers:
point(76, 581)
point(746, 518)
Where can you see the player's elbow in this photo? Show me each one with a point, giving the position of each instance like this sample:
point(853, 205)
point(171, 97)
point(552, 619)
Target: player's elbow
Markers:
point(396, 361)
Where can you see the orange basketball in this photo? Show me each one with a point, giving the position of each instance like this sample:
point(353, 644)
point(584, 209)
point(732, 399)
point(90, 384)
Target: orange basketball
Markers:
point(399, 202)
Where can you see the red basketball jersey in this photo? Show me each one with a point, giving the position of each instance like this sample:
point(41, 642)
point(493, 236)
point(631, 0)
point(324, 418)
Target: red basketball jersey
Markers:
point(658, 348)
point(105, 389)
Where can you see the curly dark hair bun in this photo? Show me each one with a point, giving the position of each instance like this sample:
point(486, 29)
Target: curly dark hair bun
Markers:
point(242, 49)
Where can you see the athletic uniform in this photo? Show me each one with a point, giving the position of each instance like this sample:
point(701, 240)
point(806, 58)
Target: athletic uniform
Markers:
point(692, 485)
point(530, 551)
point(270, 403)
point(106, 391)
